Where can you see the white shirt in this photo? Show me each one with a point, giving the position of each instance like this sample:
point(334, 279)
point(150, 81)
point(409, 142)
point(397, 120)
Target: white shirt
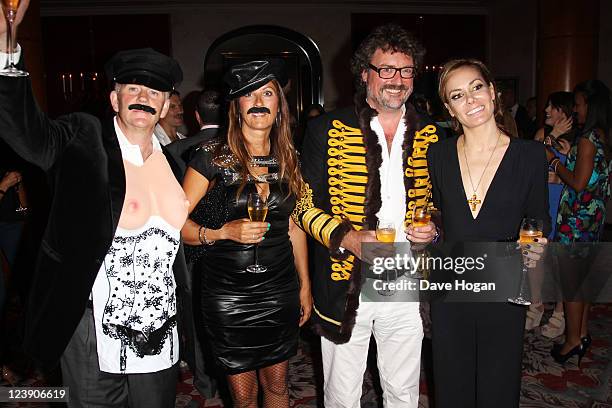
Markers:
point(392, 190)
point(163, 137)
point(114, 299)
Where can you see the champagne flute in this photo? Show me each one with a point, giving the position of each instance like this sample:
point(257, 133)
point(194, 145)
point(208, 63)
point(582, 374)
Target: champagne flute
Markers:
point(258, 210)
point(385, 231)
point(9, 7)
point(531, 229)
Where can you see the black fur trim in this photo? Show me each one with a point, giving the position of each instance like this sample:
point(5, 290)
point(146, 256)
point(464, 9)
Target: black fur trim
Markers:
point(343, 334)
point(336, 239)
point(373, 150)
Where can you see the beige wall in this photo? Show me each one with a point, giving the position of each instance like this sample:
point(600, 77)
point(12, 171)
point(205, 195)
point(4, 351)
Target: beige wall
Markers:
point(193, 33)
point(512, 28)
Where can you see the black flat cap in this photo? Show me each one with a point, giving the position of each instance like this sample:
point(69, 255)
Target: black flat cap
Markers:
point(244, 78)
point(144, 66)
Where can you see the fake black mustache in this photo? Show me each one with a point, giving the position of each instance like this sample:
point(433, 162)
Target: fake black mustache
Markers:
point(258, 109)
point(145, 108)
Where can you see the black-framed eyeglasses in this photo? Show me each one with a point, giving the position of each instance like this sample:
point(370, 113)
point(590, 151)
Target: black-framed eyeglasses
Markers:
point(389, 72)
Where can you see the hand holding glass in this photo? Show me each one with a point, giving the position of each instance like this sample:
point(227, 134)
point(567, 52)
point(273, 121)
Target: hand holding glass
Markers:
point(258, 210)
point(531, 229)
point(9, 7)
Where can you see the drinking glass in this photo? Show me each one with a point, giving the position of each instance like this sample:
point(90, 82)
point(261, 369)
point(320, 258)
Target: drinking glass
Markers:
point(9, 7)
point(385, 231)
point(531, 229)
point(421, 216)
point(258, 210)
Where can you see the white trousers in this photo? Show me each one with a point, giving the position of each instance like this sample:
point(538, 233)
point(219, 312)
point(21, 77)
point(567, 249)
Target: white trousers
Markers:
point(398, 332)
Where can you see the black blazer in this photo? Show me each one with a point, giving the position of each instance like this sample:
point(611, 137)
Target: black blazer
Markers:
point(82, 156)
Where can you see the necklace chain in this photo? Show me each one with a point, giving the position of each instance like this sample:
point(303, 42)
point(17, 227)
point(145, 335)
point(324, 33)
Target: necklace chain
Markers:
point(474, 200)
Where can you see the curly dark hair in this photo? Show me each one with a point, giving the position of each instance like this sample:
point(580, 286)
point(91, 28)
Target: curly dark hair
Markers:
point(388, 37)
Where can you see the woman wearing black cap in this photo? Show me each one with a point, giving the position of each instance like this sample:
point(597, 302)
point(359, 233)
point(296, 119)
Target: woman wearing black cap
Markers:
point(251, 319)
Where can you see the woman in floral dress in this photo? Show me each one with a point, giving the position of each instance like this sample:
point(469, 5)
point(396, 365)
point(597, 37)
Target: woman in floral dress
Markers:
point(581, 215)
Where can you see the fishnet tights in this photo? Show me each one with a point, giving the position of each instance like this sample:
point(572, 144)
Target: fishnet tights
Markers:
point(273, 380)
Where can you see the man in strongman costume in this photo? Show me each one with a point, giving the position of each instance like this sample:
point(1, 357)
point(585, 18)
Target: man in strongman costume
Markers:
point(362, 164)
point(103, 298)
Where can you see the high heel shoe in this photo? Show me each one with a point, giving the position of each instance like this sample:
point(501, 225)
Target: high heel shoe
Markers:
point(586, 341)
point(579, 351)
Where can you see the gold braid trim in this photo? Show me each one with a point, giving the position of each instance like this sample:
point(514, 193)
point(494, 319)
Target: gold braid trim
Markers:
point(416, 169)
point(348, 177)
point(314, 221)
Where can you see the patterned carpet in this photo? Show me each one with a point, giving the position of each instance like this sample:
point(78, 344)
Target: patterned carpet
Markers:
point(546, 384)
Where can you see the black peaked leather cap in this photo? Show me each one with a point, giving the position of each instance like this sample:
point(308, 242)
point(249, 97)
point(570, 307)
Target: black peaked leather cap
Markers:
point(144, 66)
point(244, 78)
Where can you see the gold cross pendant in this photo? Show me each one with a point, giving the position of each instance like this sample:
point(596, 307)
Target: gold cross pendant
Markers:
point(474, 201)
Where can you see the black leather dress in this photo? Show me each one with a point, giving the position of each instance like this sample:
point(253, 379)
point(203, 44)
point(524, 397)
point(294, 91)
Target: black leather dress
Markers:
point(251, 320)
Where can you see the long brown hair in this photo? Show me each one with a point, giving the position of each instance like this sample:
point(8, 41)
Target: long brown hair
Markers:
point(281, 145)
point(454, 65)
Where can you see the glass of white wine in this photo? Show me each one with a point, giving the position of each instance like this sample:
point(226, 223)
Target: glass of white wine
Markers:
point(531, 229)
point(9, 7)
point(258, 210)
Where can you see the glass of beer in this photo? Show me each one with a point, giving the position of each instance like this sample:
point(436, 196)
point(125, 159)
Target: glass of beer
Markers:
point(257, 207)
point(531, 228)
point(9, 7)
point(385, 231)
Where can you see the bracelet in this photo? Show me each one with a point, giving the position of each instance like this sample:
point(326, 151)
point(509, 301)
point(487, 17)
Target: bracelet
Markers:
point(553, 164)
point(202, 236)
point(553, 160)
point(202, 240)
point(206, 240)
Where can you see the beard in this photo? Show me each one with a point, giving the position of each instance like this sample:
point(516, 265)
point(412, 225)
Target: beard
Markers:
point(387, 101)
